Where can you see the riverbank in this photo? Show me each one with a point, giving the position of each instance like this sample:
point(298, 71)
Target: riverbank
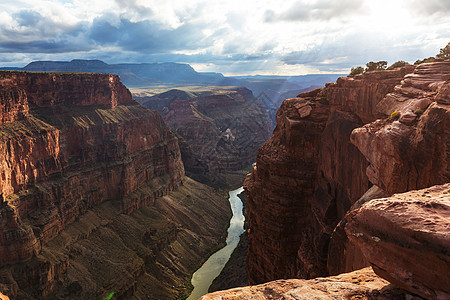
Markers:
point(234, 274)
point(203, 277)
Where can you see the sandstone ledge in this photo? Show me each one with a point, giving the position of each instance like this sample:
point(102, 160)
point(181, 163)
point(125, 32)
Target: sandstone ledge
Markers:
point(361, 284)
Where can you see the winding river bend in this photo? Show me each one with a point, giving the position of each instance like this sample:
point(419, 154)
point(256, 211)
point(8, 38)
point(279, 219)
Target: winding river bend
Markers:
point(204, 276)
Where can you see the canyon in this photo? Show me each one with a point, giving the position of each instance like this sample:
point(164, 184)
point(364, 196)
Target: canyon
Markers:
point(349, 198)
point(219, 129)
point(311, 198)
point(94, 197)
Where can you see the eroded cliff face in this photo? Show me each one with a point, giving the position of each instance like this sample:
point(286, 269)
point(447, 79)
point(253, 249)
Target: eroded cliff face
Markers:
point(314, 169)
point(220, 130)
point(308, 175)
point(70, 143)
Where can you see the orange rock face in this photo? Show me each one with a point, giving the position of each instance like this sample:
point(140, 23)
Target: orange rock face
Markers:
point(361, 284)
point(308, 175)
point(406, 239)
point(84, 142)
point(13, 105)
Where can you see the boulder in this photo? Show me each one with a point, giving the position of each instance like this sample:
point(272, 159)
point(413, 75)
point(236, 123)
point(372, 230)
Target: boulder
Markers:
point(406, 239)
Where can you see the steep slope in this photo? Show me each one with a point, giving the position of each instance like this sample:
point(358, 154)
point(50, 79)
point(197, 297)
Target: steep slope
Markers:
point(308, 175)
point(220, 130)
point(83, 168)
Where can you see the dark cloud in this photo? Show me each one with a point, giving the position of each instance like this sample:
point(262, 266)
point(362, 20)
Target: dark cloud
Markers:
point(50, 46)
point(321, 10)
point(147, 35)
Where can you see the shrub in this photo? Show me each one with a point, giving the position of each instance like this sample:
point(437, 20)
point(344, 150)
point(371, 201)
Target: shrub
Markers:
point(395, 115)
point(444, 52)
point(425, 60)
point(398, 64)
point(357, 70)
point(418, 111)
point(376, 66)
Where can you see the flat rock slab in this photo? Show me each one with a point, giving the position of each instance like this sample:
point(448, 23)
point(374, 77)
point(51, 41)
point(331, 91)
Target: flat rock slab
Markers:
point(406, 238)
point(361, 284)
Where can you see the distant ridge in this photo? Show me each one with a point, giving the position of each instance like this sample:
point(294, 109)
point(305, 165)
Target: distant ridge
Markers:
point(271, 89)
point(143, 74)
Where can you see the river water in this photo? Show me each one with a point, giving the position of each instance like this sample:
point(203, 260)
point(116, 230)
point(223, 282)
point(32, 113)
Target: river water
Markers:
point(203, 277)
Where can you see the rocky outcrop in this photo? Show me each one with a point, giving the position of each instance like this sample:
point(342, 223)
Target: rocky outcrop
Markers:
point(220, 130)
point(361, 284)
point(49, 89)
point(279, 188)
point(411, 149)
point(13, 105)
point(85, 148)
point(309, 174)
point(405, 239)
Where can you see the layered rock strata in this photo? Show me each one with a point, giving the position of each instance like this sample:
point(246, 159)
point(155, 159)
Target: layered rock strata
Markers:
point(70, 143)
point(406, 239)
point(309, 174)
point(220, 130)
point(411, 149)
point(361, 284)
point(322, 159)
point(150, 253)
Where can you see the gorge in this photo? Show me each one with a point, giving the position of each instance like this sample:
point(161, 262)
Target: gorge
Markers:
point(94, 196)
point(355, 174)
point(349, 198)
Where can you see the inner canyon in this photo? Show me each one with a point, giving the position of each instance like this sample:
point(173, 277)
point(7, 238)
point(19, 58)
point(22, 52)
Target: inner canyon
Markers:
point(115, 193)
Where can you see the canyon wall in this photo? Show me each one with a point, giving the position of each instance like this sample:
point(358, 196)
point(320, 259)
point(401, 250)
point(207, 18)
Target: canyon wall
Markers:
point(220, 129)
point(321, 160)
point(71, 143)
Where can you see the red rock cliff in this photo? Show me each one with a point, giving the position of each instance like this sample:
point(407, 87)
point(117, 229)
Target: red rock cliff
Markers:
point(309, 174)
point(49, 89)
point(84, 141)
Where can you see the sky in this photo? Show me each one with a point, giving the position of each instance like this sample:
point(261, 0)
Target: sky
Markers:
point(233, 37)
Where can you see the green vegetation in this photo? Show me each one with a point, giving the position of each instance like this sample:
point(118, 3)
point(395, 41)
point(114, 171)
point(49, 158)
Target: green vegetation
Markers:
point(444, 52)
point(376, 66)
point(395, 115)
point(398, 64)
point(110, 296)
point(357, 70)
point(418, 111)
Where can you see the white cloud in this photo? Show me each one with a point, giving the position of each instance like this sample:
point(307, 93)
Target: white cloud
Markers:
point(231, 36)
